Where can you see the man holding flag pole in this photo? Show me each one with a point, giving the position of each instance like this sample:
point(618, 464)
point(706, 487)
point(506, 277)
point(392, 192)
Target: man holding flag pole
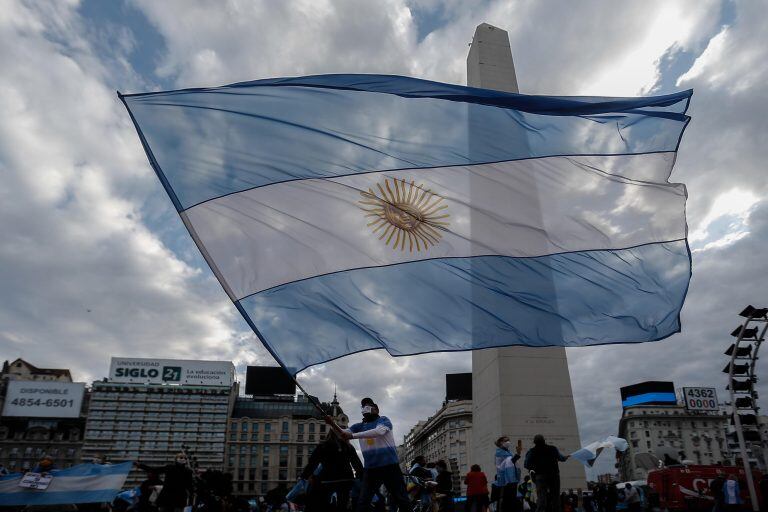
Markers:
point(381, 465)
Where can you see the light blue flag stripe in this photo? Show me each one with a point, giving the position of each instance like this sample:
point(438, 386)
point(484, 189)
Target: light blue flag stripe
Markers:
point(451, 304)
point(207, 143)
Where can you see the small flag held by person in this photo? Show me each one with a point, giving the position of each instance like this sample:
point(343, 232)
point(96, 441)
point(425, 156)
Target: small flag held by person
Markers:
point(589, 453)
point(344, 213)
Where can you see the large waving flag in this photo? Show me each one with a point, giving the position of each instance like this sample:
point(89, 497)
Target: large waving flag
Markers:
point(344, 213)
point(85, 483)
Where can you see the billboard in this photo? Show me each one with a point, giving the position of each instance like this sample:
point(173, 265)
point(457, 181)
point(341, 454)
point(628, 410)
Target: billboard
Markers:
point(268, 380)
point(458, 386)
point(43, 399)
point(701, 399)
point(649, 393)
point(171, 371)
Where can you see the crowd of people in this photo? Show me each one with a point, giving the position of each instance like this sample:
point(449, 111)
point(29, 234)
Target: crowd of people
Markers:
point(336, 480)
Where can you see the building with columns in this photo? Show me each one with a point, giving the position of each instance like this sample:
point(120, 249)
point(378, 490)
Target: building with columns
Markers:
point(270, 439)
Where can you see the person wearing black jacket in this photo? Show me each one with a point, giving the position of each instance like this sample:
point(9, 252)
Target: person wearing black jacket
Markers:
point(543, 460)
point(329, 490)
point(444, 487)
point(177, 484)
point(145, 492)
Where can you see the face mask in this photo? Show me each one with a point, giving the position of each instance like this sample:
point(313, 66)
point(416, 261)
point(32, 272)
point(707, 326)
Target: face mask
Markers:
point(181, 461)
point(367, 410)
point(507, 445)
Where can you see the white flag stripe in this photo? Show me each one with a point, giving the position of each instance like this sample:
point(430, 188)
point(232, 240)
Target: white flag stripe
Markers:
point(289, 231)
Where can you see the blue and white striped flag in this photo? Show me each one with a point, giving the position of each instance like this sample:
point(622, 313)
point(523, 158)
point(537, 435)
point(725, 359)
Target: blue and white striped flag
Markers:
point(344, 213)
point(84, 483)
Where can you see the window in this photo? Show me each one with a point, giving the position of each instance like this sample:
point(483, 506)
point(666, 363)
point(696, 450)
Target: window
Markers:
point(244, 427)
point(231, 460)
point(301, 428)
point(265, 474)
point(282, 474)
point(648, 444)
point(244, 436)
point(311, 428)
point(283, 456)
point(285, 426)
point(254, 436)
point(267, 427)
point(322, 428)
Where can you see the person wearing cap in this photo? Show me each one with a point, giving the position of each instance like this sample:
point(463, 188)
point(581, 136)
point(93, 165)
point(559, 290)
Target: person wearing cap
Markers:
point(381, 465)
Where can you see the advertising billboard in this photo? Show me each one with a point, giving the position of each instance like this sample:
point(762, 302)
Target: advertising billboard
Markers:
point(268, 380)
point(649, 393)
point(700, 399)
point(43, 399)
point(171, 371)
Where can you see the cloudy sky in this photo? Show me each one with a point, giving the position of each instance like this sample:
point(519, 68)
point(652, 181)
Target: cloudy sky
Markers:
point(94, 262)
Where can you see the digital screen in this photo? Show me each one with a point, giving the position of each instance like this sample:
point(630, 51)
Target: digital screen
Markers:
point(649, 393)
point(458, 386)
point(268, 380)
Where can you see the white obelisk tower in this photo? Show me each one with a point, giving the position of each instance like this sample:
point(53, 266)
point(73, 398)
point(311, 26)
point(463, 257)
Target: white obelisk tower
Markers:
point(517, 391)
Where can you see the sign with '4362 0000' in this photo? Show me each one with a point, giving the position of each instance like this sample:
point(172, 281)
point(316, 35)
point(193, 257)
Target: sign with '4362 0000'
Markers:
point(700, 399)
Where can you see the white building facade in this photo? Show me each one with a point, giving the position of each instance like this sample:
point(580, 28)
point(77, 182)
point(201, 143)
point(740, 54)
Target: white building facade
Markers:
point(150, 421)
point(669, 430)
point(445, 436)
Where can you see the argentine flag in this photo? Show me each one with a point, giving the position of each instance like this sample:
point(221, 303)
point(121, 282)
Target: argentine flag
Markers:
point(344, 213)
point(84, 483)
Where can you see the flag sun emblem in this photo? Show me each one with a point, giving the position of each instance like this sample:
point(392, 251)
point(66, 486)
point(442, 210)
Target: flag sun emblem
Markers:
point(405, 214)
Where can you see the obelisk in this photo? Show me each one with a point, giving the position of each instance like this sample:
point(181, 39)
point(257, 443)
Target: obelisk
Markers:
point(517, 391)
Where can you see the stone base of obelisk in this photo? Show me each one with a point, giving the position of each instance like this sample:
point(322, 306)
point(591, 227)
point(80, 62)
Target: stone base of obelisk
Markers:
point(520, 392)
